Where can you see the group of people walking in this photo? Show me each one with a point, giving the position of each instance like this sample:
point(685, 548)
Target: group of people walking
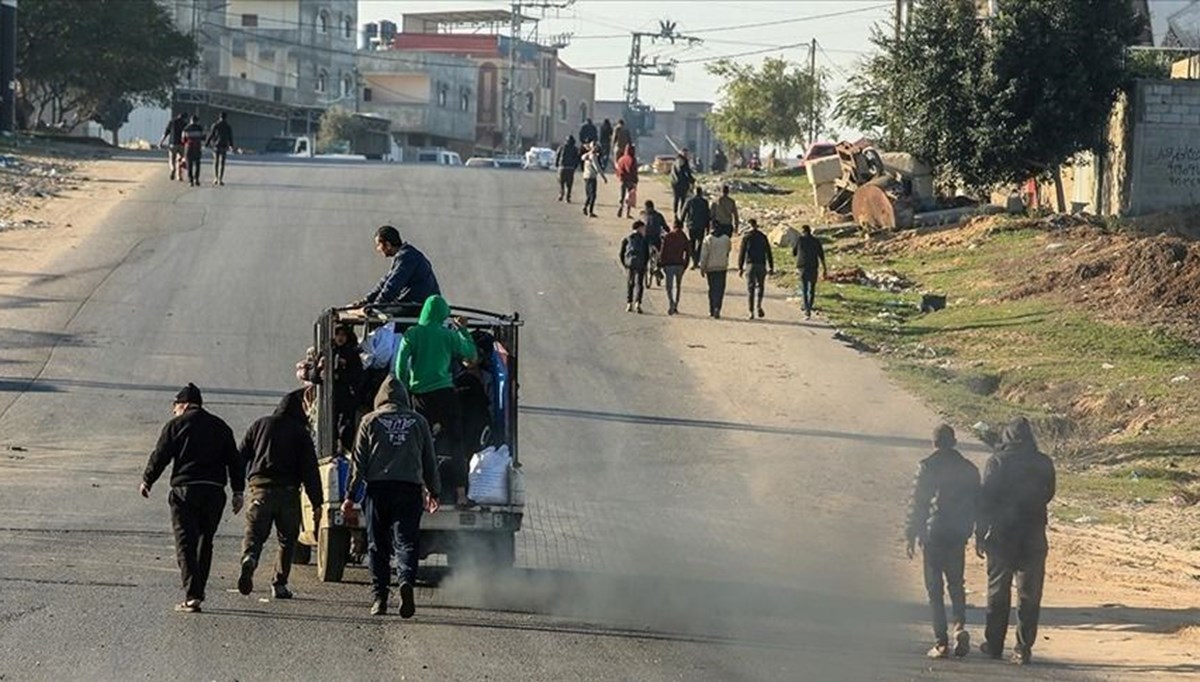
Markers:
point(186, 139)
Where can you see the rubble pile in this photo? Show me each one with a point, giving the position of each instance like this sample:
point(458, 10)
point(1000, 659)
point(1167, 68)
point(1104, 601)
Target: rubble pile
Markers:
point(884, 280)
point(24, 182)
point(741, 185)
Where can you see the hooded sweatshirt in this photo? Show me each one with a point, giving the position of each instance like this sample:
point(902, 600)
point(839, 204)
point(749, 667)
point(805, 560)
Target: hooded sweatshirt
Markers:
point(394, 443)
point(1018, 483)
point(429, 347)
point(278, 450)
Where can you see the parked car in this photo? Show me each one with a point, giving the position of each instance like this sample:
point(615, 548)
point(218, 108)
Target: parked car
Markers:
point(481, 162)
point(441, 157)
point(510, 162)
point(539, 157)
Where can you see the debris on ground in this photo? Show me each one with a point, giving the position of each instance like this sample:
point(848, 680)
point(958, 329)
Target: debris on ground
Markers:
point(742, 186)
point(884, 280)
point(28, 179)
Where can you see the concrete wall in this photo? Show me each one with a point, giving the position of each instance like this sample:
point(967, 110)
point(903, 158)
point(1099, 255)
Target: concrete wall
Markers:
point(578, 90)
point(1166, 146)
point(686, 125)
point(405, 87)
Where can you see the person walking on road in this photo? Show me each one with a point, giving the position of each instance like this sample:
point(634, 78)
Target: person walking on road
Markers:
point(698, 219)
point(635, 256)
point(592, 168)
point(193, 149)
point(566, 161)
point(587, 133)
point(220, 140)
point(714, 265)
point(204, 458)
point(810, 262)
point(1018, 484)
point(410, 279)
point(724, 212)
point(627, 175)
point(620, 139)
point(394, 456)
point(676, 251)
point(424, 364)
point(682, 180)
point(656, 227)
point(755, 252)
point(605, 140)
point(941, 517)
point(173, 138)
point(280, 457)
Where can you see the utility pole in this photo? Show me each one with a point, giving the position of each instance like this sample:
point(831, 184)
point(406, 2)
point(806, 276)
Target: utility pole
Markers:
point(8, 66)
point(812, 101)
point(512, 119)
point(635, 109)
point(899, 15)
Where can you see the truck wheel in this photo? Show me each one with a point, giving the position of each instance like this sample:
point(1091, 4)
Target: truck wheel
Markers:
point(303, 554)
point(333, 549)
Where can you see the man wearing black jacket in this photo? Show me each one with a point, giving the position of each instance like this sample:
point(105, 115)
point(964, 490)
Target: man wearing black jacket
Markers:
point(635, 256)
point(280, 456)
point(566, 160)
point(410, 279)
point(220, 140)
point(755, 252)
point(941, 517)
point(1018, 484)
point(697, 217)
point(203, 456)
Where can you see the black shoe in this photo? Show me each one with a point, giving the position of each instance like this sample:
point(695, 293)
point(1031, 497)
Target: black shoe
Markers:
point(245, 583)
point(761, 313)
point(280, 592)
point(379, 608)
point(407, 605)
point(1020, 656)
point(962, 643)
point(986, 649)
point(188, 606)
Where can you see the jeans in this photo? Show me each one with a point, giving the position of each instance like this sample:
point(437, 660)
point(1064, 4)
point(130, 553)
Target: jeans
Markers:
point(625, 188)
point(195, 516)
point(674, 284)
point(277, 506)
point(173, 155)
point(1026, 564)
point(193, 165)
point(716, 291)
point(393, 512)
point(680, 197)
point(808, 290)
point(566, 180)
point(589, 201)
point(635, 285)
point(944, 573)
point(219, 155)
point(696, 237)
point(756, 283)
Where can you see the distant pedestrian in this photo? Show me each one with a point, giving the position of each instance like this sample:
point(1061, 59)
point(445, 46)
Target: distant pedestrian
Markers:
point(173, 138)
point(724, 212)
point(941, 517)
point(204, 458)
point(605, 140)
point(566, 161)
point(682, 180)
point(656, 227)
point(220, 140)
point(621, 139)
point(810, 263)
point(280, 457)
point(719, 161)
point(635, 256)
point(587, 133)
point(714, 265)
point(1018, 484)
point(394, 456)
point(755, 252)
point(193, 149)
point(627, 175)
point(676, 251)
point(592, 169)
point(697, 217)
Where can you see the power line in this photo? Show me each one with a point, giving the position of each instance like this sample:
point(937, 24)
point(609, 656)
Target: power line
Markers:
point(738, 27)
point(700, 60)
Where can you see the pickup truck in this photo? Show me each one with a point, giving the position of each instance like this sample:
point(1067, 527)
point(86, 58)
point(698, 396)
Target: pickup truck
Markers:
point(480, 535)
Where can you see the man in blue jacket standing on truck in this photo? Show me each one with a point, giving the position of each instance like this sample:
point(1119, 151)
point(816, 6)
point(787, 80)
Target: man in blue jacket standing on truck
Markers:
point(410, 279)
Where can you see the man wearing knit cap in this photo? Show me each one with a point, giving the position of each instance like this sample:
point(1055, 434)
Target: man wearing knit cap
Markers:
point(204, 457)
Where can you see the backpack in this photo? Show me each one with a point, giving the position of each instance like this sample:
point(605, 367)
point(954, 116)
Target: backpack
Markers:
point(634, 248)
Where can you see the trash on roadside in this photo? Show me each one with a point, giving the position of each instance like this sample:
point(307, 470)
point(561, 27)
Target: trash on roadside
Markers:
point(1180, 379)
point(931, 303)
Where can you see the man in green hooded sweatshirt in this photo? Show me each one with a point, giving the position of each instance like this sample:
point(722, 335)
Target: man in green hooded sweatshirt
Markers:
point(424, 365)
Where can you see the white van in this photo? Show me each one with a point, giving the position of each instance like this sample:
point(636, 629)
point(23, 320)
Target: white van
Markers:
point(441, 157)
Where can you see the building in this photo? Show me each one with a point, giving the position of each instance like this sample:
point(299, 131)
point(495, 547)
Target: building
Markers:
point(543, 83)
point(1183, 28)
point(428, 98)
point(686, 126)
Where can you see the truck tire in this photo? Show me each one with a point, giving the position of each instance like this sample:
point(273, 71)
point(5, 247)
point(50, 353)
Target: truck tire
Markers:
point(303, 555)
point(333, 549)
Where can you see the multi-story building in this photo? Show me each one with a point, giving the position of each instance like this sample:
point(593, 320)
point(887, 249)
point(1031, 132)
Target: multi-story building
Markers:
point(686, 125)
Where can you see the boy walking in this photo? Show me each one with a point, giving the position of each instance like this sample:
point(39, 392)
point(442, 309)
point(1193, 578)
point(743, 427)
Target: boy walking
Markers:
point(676, 250)
point(635, 256)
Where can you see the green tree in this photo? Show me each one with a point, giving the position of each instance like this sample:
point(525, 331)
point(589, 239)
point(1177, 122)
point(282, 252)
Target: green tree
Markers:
point(79, 58)
point(338, 131)
point(774, 104)
point(112, 114)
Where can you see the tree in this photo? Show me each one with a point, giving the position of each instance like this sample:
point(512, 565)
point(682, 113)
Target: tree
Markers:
point(112, 114)
point(338, 129)
point(775, 104)
point(79, 59)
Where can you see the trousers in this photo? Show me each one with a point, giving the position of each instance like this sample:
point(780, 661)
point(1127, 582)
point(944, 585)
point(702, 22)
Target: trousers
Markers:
point(716, 291)
point(393, 512)
point(756, 284)
point(1027, 567)
point(277, 506)
point(944, 563)
point(195, 516)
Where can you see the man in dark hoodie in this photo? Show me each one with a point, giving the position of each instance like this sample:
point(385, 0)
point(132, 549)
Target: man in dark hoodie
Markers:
point(566, 160)
point(394, 456)
point(605, 141)
point(941, 517)
point(682, 180)
point(635, 257)
point(204, 457)
point(1018, 484)
point(587, 133)
point(697, 217)
point(280, 456)
point(409, 280)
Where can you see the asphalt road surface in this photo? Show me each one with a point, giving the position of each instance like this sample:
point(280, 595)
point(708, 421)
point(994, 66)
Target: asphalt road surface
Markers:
point(707, 500)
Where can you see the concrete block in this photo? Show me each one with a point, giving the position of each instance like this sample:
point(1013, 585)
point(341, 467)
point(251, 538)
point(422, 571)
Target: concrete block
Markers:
point(784, 237)
point(824, 193)
point(1173, 119)
point(1153, 117)
point(904, 163)
point(824, 170)
point(922, 186)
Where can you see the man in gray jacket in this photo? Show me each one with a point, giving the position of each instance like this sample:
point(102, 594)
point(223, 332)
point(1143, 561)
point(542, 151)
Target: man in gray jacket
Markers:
point(394, 455)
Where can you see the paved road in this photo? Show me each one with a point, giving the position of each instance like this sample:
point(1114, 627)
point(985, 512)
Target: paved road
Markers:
point(707, 500)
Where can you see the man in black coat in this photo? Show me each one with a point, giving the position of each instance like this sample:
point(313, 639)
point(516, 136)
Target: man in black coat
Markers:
point(280, 457)
point(566, 160)
point(635, 257)
point(203, 456)
point(1018, 484)
point(698, 217)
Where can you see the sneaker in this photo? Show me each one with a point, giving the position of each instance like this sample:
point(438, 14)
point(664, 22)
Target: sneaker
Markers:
point(629, 307)
point(221, 183)
point(216, 182)
point(172, 176)
point(807, 315)
point(379, 607)
point(592, 214)
point(188, 606)
point(585, 211)
point(751, 315)
point(761, 313)
point(986, 649)
point(245, 582)
point(408, 606)
point(939, 650)
point(962, 643)
point(639, 309)
point(1020, 656)
point(280, 592)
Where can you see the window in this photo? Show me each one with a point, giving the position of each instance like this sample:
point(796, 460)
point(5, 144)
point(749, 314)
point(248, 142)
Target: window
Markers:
point(348, 27)
point(442, 95)
point(322, 80)
point(562, 110)
point(323, 21)
point(583, 112)
point(347, 86)
point(367, 94)
point(250, 20)
point(266, 54)
point(464, 98)
point(529, 102)
point(547, 72)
